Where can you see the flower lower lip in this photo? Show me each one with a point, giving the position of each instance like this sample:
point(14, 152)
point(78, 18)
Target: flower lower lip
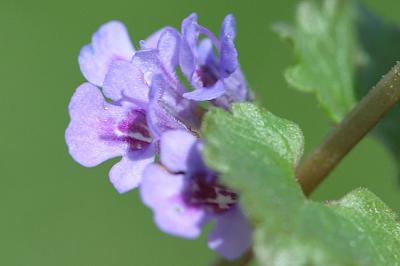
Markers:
point(210, 195)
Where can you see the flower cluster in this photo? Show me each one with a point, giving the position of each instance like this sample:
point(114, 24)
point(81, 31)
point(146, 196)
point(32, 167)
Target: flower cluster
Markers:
point(144, 111)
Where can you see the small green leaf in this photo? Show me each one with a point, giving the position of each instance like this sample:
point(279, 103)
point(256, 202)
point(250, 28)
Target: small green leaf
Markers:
point(256, 153)
point(343, 50)
point(265, 138)
point(357, 230)
point(325, 49)
point(370, 214)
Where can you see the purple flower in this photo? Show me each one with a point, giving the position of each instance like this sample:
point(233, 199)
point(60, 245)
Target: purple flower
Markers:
point(185, 195)
point(145, 100)
point(213, 78)
point(100, 131)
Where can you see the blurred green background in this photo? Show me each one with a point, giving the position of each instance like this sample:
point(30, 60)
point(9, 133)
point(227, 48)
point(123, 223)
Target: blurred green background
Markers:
point(55, 212)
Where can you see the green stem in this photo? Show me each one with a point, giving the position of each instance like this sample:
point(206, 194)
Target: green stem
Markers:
point(366, 114)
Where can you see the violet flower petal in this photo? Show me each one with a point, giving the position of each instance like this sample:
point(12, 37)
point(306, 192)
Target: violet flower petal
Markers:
point(205, 94)
point(89, 114)
point(168, 49)
point(186, 59)
point(133, 79)
point(149, 64)
point(190, 31)
point(125, 79)
point(231, 235)
point(236, 90)
point(228, 53)
point(127, 174)
point(109, 43)
point(162, 192)
point(188, 53)
point(205, 52)
point(175, 148)
point(161, 114)
point(152, 41)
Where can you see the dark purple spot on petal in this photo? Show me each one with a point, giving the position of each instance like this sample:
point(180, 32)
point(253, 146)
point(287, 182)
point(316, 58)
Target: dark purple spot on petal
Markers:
point(204, 191)
point(132, 130)
point(207, 77)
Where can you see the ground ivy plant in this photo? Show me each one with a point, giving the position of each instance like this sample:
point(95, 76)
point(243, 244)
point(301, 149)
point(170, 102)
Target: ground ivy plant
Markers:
point(178, 111)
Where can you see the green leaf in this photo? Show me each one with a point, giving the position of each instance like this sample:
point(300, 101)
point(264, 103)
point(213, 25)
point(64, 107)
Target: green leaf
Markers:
point(325, 49)
point(357, 230)
point(265, 138)
point(343, 49)
point(256, 153)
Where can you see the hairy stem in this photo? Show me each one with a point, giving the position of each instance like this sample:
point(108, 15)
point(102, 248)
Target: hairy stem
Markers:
point(366, 114)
